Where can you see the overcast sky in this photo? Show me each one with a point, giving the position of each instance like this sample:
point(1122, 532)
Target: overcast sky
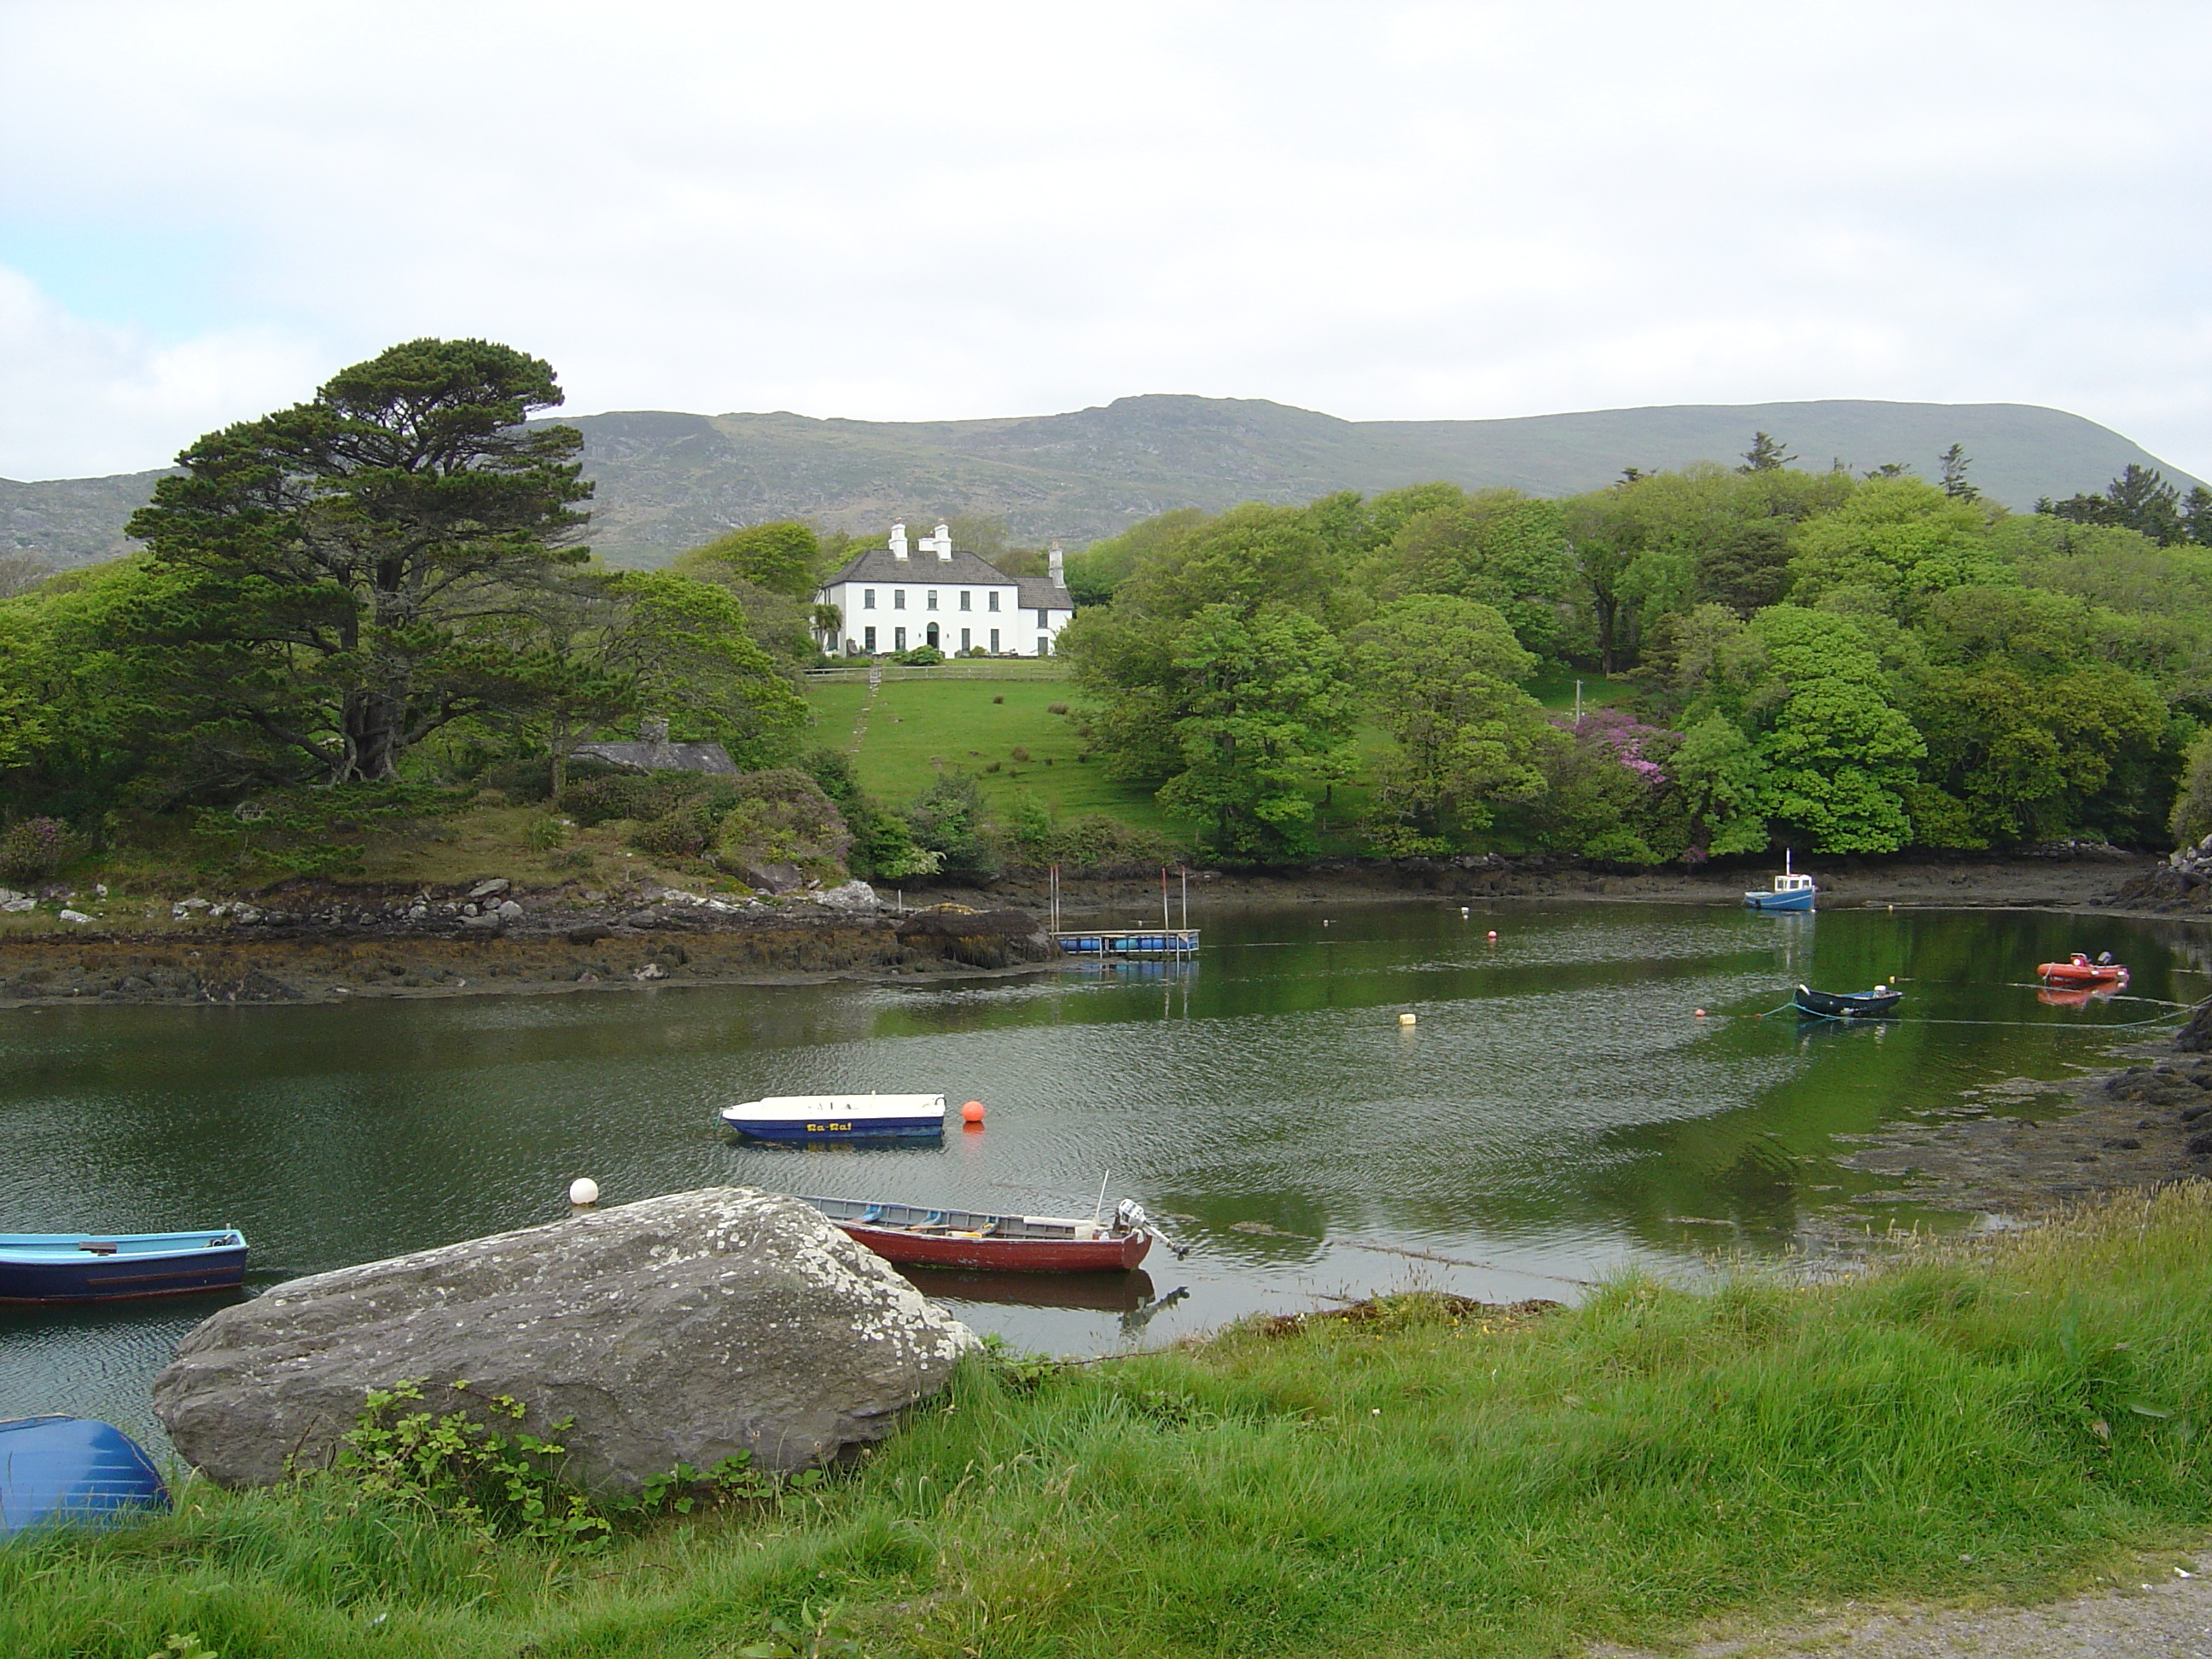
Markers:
point(911, 211)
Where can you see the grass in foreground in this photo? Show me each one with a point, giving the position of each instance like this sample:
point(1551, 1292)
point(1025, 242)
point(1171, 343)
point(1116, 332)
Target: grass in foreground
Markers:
point(1992, 1425)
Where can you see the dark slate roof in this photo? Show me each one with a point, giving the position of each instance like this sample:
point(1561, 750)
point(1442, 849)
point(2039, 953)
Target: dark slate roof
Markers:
point(665, 757)
point(1037, 593)
point(877, 565)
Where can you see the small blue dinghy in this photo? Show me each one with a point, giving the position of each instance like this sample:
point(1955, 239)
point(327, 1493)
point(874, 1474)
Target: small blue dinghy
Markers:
point(72, 1471)
point(107, 1267)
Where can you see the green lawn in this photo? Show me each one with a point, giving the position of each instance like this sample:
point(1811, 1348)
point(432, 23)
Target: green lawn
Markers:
point(911, 728)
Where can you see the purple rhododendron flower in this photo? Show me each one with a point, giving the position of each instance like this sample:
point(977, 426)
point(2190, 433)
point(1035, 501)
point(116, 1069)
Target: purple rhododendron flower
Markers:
point(1624, 736)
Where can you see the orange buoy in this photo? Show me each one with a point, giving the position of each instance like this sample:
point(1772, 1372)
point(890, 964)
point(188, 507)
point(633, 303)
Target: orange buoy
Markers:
point(1701, 1013)
point(1493, 932)
point(972, 1114)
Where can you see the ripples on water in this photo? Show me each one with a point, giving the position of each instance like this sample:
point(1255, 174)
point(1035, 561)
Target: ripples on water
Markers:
point(1557, 1111)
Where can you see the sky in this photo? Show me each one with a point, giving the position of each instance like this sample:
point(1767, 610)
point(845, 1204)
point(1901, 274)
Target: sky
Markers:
point(908, 212)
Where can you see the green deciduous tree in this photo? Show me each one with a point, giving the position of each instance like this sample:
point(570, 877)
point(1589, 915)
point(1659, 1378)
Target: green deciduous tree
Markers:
point(1440, 675)
point(1838, 756)
point(784, 557)
point(1260, 718)
point(1497, 547)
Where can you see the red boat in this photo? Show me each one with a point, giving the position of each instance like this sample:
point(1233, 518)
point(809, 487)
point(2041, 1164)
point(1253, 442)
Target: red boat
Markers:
point(914, 1236)
point(2080, 970)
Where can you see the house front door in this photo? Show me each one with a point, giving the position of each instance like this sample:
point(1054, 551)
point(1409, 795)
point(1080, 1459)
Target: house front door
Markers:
point(932, 635)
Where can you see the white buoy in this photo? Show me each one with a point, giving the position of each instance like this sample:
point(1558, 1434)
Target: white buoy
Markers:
point(583, 1190)
point(1406, 1019)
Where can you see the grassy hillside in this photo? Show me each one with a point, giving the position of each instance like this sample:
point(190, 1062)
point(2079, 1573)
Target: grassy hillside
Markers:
point(1998, 1420)
point(899, 734)
point(670, 481)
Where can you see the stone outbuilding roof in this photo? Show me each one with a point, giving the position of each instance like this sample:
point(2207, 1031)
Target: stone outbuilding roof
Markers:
point(653, 752)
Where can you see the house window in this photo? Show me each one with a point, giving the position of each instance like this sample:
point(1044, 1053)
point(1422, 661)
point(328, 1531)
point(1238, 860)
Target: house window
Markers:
point(1042, 621)
point(933, 598)
point(898, 639)
point(898, 598)
point(964, 597)
point(994, 599)
point(869, 635)
point(965, 639)
point(994, 637)
point(1044, 645)
point(868, 599)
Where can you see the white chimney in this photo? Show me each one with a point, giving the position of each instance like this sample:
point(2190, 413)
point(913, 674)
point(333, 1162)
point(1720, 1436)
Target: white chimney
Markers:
point(1055, 560)
point(898, 541)
point(940, 544)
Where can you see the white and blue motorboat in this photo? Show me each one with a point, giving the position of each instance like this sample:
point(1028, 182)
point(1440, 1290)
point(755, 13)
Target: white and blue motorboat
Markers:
point(1791, 891)
point(838, 1117)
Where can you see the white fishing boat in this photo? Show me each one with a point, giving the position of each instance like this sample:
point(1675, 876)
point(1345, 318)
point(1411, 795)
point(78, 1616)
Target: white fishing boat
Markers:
point(838, 1117)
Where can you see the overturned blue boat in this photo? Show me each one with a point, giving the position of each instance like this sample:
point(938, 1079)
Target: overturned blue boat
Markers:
point(111, 1266)
point(72, 1471)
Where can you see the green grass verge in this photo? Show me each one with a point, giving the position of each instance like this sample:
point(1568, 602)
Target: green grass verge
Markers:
point(1991, 1421)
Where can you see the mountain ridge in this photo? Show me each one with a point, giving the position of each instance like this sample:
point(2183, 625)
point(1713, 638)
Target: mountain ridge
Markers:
point(668, 480)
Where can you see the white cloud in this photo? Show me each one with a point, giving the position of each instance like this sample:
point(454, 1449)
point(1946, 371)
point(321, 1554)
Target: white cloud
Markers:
point(79, 399)
point(1390, 210)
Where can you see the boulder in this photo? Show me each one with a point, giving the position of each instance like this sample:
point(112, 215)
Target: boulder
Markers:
point(766, 876)
point(856, 896)
point(684, 1328)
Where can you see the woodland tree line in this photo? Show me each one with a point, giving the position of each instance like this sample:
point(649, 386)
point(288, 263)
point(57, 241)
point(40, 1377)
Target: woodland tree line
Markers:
point(1839, 662)
point(385, 590)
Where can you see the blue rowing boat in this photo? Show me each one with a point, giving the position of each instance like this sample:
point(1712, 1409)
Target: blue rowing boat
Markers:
point(70, 1471)
point(110, 1266)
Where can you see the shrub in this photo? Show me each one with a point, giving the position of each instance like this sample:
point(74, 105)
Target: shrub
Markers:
point(1093, 842)
point(922, 656)
point(645, 796)
point(1055, 708)
point(1020, 753)
point(684, 833)
point(1002, 697)
point(948, 821)
point(782, 815)
point(546, 834)
point(531, 778)
point(35, 848)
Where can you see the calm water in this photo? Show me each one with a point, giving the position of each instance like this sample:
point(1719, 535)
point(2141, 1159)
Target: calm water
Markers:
point(1557, 1112)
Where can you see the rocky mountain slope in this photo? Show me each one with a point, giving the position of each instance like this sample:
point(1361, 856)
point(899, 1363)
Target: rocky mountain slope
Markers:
point(669, 481)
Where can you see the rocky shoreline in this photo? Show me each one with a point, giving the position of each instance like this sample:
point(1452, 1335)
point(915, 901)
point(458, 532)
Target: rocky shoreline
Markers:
point(309, 945)
point(304, 941)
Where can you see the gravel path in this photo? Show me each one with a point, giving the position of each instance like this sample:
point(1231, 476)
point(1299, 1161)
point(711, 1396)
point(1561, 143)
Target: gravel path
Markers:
point(2160, 1615)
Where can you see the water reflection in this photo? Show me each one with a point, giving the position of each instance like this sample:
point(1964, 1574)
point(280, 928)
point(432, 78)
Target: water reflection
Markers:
point(1559, 1109)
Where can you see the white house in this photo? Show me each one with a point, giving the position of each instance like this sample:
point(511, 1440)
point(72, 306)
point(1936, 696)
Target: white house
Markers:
point(888, 599)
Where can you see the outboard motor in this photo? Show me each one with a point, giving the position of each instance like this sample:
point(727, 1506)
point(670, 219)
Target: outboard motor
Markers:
point(1129, 1216)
